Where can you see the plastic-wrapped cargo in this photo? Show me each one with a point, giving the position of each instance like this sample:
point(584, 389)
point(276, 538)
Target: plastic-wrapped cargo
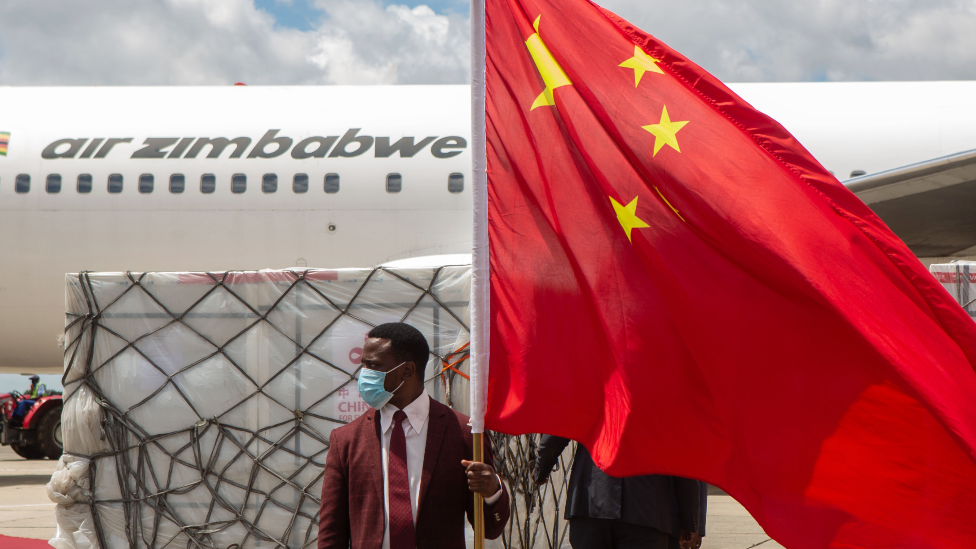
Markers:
point(198, 406)
point(959, 279)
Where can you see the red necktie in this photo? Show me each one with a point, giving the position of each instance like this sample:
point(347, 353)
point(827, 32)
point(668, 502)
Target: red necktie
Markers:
point(401, 514)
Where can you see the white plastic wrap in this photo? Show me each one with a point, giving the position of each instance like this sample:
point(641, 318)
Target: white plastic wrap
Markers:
point(959, 279)
point(70, 485)
point(200, 406)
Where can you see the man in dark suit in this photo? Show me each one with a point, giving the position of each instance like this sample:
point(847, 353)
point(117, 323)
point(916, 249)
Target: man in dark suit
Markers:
point(644, 512)
point(400, 475)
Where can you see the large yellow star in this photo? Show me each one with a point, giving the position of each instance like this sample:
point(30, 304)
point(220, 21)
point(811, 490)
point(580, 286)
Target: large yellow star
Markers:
point(627, 216)
point(641, 63)
point(665, 132)
point(552, 74)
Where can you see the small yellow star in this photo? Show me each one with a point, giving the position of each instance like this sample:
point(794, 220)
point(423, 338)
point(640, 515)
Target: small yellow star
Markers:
point(641, 63)
point(627, 216)
point(665, 132)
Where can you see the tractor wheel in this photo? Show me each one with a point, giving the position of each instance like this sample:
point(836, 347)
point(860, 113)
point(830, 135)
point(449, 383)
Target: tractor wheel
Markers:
point(49, 434)
point(28, 451)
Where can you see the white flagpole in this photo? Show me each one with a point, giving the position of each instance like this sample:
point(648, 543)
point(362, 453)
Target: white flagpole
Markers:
point(480, 327)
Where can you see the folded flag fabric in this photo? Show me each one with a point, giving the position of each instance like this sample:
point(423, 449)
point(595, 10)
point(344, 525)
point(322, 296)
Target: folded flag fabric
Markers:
point(679, 285)
point(4, 142)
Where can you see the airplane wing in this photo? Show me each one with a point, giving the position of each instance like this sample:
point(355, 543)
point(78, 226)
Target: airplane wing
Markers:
point(931, 205)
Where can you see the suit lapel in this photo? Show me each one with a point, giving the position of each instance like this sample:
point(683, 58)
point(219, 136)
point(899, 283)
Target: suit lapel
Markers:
point(436, 426)
point(374, 452)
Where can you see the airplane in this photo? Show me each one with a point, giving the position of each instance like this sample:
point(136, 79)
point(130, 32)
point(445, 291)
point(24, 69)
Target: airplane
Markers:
point(249, 177)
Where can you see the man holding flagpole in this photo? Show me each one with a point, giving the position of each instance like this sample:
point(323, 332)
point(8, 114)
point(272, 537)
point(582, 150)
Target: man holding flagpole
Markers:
point(401, 476)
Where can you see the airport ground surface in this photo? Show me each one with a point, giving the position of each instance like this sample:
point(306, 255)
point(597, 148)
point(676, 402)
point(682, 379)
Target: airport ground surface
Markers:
point(26, 512)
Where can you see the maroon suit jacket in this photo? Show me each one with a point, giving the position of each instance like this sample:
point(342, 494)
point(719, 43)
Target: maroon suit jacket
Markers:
point(352, 490)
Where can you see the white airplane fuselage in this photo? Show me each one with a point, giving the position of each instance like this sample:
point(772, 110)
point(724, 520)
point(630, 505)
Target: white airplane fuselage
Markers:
point(365, 136)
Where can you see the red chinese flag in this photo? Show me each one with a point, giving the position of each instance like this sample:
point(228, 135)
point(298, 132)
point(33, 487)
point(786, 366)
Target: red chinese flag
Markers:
point(679, 285)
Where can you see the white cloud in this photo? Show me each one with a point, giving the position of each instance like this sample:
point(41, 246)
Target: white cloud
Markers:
point(154, 42)
point(373, 41)
point(362, 41)
point(191, 42)
point(772, 40)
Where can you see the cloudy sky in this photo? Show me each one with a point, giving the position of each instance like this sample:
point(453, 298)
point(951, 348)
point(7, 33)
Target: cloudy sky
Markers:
point(198, 42)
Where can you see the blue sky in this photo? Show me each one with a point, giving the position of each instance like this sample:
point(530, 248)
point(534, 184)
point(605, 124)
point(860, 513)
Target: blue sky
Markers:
point(303, 15)
point(296, 14)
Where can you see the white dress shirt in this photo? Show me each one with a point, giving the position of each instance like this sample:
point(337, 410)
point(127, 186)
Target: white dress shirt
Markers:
point(415, 432)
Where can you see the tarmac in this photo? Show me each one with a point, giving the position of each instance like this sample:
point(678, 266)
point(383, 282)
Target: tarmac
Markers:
point(26, 512)
point(730, 526)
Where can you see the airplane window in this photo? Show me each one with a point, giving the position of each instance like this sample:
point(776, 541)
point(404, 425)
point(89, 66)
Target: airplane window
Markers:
point(22, 184)
point(115, 183)
point(858, 173)
point(300, 183)
point(146, 182)
point(394, 183)
point(208, 183)
point(269, 183)
point(177, 183)
point(455, 183)
point(331, 183)
point(53, 183)
point(84, 183)
point(238, 183)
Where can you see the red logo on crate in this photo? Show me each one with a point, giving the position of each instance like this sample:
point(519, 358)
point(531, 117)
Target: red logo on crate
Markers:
point(952, 278)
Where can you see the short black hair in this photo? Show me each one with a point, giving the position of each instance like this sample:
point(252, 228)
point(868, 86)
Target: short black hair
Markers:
point(406, 343)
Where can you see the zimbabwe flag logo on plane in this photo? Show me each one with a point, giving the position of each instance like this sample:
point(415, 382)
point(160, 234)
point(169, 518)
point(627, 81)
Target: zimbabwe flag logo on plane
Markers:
point(4, 141)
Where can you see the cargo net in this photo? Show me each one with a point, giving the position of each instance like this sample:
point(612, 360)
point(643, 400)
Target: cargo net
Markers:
point(198, 406)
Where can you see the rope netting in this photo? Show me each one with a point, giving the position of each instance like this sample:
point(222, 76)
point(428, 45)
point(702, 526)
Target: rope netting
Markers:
point(198, 406)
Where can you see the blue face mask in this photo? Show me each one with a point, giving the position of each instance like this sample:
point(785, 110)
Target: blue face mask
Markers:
point(372, 387)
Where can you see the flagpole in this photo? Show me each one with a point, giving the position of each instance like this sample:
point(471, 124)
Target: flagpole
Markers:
point(480, 328)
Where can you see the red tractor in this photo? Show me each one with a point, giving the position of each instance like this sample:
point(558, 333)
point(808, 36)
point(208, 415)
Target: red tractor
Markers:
point(31, 422)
